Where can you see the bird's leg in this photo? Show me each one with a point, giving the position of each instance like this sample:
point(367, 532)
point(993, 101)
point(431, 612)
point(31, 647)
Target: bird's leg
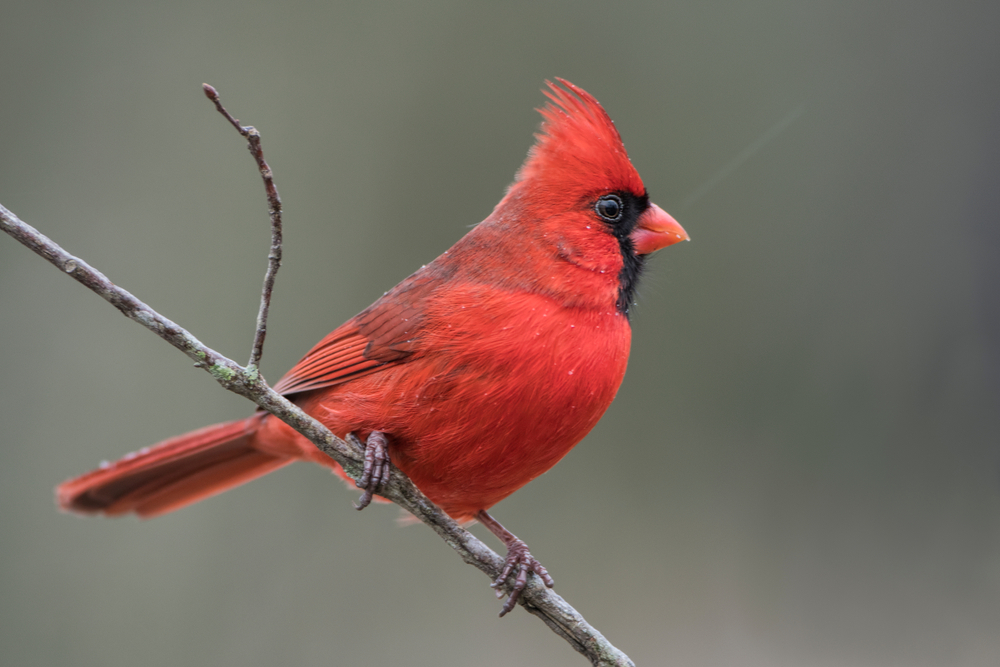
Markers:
point(517, 556)
point(376, 470)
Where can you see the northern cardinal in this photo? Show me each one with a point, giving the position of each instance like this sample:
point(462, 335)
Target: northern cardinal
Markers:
point(474, 375)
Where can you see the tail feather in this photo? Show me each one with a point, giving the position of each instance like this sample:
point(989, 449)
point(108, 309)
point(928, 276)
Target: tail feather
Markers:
point(173, 473)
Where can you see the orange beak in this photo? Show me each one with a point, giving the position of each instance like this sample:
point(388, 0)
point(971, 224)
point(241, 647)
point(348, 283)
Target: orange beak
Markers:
point(656, 229)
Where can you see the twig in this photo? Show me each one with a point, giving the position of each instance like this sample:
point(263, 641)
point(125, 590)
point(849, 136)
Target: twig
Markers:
point(554, 611)
point(252, 136)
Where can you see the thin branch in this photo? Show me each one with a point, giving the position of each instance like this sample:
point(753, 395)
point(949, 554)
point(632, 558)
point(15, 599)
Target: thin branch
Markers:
point(252, 136)
point(554, 611)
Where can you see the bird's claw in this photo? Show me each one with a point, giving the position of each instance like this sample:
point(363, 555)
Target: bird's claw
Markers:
point(376, 470)
point(519, 557)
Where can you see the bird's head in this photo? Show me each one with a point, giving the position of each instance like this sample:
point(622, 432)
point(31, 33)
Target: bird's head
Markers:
point(584, 194)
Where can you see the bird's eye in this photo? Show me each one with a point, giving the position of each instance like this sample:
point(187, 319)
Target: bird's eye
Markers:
point(609, 207)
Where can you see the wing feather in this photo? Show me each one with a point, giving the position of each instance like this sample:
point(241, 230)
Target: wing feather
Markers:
point(386, 333)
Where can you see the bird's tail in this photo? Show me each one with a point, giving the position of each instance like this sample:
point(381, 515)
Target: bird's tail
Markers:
point(173, 473)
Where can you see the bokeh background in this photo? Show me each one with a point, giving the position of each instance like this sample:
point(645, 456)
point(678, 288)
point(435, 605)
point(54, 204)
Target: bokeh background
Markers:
point(802, 466)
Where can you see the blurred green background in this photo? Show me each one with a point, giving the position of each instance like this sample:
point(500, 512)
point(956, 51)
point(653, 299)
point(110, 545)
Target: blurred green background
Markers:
point(802, 466)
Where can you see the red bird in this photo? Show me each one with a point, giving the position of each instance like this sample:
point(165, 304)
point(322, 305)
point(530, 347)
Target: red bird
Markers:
point(474, 375)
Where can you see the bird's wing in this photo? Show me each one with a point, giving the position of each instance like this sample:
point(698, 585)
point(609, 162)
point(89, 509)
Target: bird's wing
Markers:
point(385, 334)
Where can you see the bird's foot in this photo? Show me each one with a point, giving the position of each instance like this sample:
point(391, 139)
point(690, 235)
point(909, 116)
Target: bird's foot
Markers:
point(519, 558)
point(376, 471)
